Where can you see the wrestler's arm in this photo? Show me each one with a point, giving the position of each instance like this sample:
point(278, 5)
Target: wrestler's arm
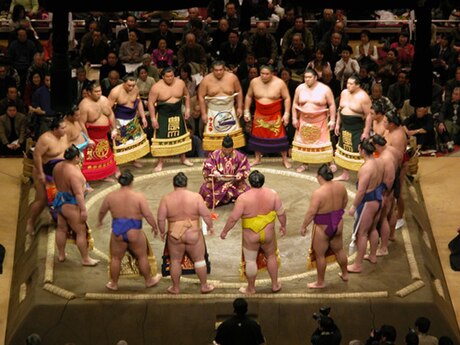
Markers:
point(78, 191)
point(161, 218)
point(103, 211)
point(153, 97)
point(40, 148)
point(141, 112)
point(239, 97)
point(345, 197)
point(295, 104)
point(147, 214)
point(113, 124)
point(83, 119)
point(113, 96)
point(366, 106)
point(310, 214)
point(363, 178)
point(201, 94)
point(186, 96)
point(287, 102)
point(248, 101)
point(234, 217)
point(205, 214)
point(332, 109)
point(281, 214)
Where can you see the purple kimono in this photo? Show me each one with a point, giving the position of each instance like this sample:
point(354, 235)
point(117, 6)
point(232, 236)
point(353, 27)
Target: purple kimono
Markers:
point(226, 189)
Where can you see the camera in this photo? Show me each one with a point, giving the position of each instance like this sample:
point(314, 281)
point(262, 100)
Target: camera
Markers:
point(323, 311)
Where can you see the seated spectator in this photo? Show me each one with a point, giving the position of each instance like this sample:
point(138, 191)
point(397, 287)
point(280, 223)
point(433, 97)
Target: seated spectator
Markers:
point(112, 80)
point(103, 23)
point(233, 52)
point(422, 326)
point(449, 121)
point(12, 132)
point(78, 84)
point(263, 46)
point(232, 16)
point(405, 49)
point(339, 27)
point(96, 51)
point(243, 70)
point(399, 91)
point(319, 63)
point(378, 97)
point(285, 23)
point(144, 83)
point(295, 57)
point(441, 56)
point(332, 49)
point(35, 81)
point(113, 64)
point(219, 36)
point(162, 56)
point(367, 79)
point(131, 26)
point(12, 96)
point(197, 144)
point(38, 65)
point(5, 81)
point(329, 79)
point(87, 37)
point(131, 51)
point(388, 70)
point(451, 84)
point(165, 33)
point(41, 107)
point(194, 54)
point(306, 36)
point(421, 125)
point(152, 71)
point(366, 52)
point(346, 67)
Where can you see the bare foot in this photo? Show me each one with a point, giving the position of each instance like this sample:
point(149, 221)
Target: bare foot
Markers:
point(90, 262)
point(256, 162)
point(89, 189)
point(302, 168)
point(354, 268)
point(207, 288)
point(276, 288)
point(136, 164)
point(61, 258)
point(343, 276)
point(392, 239)
point(246, 291)
point(187, 163)
point(287, 164)
point(172, 290)
point(316, 285)
point(371, 259)
point(333, 167)
point(153, 281)
point(112, 286)
point(382, 252)
point(343, 177)
point(158, 168)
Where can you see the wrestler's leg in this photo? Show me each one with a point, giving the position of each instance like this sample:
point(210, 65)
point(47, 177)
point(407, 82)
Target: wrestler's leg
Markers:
point(159, 165)
point(257, 158)
point(320, 245)
point(250, 259)
point(392, 218)
point(367, 221)
point(176, 252)
point(384, 226)
point(138, 245)
point(72, 214)
point(286, 163)
point(195, 248)
point(61, 236)
point(336, 244)
point(400, 200)
point(344, 177)
point(269, 248)
point(185, 161)
point(38, 205)
point(117, 251)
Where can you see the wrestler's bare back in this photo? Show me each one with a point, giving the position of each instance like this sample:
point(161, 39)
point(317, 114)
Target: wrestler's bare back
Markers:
point(397, 138)
point(183, 204)
point(330, 196)
point(266, 93)
point(371, 173)
point(125, 203)
point(250, 202)
point(67, 176)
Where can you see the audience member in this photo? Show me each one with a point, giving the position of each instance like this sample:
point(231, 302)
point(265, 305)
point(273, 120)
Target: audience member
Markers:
point(113, 63)
point(263, 46)
point(12, 132)
point(131, 51)
point(422, 326)
point(112, 80)
point(131, 26)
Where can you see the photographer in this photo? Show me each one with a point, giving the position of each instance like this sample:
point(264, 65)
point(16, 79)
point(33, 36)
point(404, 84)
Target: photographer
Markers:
point(327, 332)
